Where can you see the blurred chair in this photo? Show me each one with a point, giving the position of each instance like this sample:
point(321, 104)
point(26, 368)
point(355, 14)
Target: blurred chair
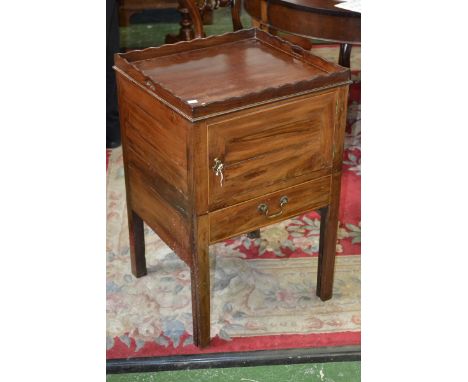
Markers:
point(194, 13)
point(193, 19)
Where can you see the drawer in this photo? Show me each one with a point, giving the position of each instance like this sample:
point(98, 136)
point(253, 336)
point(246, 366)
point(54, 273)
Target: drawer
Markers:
point(247, 216)
point(271, 149)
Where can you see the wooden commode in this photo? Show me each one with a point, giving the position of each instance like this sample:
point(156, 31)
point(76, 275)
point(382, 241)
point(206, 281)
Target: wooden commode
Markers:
point(224, 135)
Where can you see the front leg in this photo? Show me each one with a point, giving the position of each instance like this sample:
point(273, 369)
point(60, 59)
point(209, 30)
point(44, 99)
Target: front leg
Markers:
point(327, 245)
point(200, 277)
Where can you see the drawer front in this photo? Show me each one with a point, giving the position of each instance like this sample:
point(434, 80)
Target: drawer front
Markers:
point(271, 149)
point(247, 216)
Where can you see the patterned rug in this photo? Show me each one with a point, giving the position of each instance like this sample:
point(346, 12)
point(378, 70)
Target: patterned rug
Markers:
point(263, 290)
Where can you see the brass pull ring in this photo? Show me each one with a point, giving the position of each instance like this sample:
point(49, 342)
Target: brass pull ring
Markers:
point(263, 208)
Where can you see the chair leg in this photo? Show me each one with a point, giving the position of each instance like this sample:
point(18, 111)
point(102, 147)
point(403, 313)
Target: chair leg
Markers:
point(191, 23)
point(236, 6)
point(345, 55)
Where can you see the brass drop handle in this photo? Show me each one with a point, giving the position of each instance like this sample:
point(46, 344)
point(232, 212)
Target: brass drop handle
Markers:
point(218, 170)
point(263, 208)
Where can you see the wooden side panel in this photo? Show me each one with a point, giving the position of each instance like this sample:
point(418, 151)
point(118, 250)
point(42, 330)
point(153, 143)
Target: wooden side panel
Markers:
point(156, 165)
point(165, 150)
point(167, 222)
point(157, 182)
point(245, 217)
point(158, 134)
point(271, 149)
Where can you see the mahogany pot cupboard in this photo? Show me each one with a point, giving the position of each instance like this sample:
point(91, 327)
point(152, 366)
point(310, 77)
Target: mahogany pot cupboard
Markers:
point(224, 135)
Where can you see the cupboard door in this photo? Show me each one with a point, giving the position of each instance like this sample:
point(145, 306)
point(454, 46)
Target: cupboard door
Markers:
point(265, 151)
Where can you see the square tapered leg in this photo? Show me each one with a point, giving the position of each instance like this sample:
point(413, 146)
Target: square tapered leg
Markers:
point(327, 246)
point(137, 244)
point(200, 275)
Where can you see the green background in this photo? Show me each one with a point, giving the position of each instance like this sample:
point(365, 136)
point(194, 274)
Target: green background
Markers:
point(323, 372)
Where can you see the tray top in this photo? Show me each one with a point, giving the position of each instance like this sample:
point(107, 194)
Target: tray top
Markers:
point(215, 75)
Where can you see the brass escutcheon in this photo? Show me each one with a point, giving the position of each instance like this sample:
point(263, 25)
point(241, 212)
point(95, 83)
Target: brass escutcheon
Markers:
point(218, 170)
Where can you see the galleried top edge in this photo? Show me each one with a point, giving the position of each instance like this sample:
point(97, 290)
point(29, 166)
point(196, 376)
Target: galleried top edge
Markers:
point(211, 76)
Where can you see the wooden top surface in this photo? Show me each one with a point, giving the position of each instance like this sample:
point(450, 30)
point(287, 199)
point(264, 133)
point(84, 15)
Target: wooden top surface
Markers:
point(214, 75)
